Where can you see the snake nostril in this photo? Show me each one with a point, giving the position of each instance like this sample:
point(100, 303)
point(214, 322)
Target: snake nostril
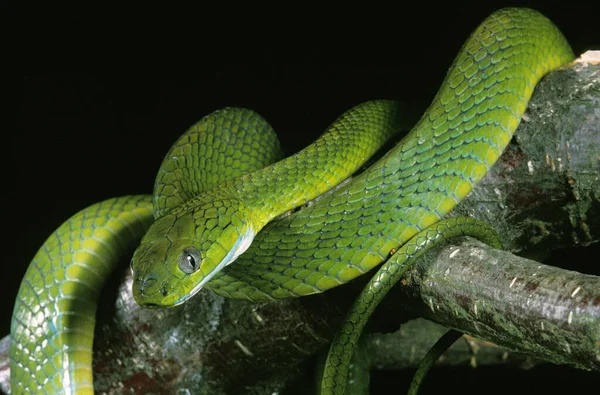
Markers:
point(147, 283)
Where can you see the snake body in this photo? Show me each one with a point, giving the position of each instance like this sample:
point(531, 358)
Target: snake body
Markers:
point(209, 211)
point(215, 227)
point(53, 321)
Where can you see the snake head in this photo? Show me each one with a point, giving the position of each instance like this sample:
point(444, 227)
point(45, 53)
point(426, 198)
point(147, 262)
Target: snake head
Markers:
point(185, 248)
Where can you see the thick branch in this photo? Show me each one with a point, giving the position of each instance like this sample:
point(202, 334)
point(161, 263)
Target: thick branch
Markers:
point(543, 193)
point(540, 310)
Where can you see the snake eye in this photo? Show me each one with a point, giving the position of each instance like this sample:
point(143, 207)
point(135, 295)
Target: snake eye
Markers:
point(189, 260)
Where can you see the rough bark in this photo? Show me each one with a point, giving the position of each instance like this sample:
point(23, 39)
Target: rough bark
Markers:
point(540, 310)
point(544, 193)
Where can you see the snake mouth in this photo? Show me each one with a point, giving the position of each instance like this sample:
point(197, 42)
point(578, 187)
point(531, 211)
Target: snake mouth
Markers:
point(147, 292)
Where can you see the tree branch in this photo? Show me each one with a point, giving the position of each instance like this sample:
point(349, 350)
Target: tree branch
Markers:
point(540, 310)
point(406, 347)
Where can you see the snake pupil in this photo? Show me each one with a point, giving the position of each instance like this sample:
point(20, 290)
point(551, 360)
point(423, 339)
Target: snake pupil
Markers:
point(191, 261)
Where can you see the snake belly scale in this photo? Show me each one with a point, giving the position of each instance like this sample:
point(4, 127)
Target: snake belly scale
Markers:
point(217, 227)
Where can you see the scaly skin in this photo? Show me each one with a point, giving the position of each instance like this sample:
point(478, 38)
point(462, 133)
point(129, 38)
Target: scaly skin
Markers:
point(346, 339)
point(461, 135)
point(343, 235)
point(223, 145)
point(52, 328)
point(220, 223)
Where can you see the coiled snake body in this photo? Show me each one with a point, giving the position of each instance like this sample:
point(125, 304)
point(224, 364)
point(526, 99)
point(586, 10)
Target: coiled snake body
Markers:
point(222, 187)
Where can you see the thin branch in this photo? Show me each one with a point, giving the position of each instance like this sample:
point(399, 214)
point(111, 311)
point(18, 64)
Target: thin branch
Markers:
point(406, 347)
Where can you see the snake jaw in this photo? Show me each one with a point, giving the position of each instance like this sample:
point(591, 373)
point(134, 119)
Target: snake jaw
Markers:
point(240, 247)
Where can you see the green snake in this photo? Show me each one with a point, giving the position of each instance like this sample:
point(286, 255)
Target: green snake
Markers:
point(224, 216)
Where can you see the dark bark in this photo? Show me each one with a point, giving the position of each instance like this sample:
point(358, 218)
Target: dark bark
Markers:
point(543, 194)
point(540, 310)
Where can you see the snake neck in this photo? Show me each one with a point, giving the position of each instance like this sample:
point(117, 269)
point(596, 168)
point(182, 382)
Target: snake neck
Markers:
point(340, 151)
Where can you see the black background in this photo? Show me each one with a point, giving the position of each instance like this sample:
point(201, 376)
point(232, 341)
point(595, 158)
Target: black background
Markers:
point(97, 111)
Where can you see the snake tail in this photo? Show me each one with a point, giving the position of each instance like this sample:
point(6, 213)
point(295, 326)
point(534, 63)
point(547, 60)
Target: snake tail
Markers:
point(434, 353)
point(52, 327)
point(489, 85)
point(345, 341)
